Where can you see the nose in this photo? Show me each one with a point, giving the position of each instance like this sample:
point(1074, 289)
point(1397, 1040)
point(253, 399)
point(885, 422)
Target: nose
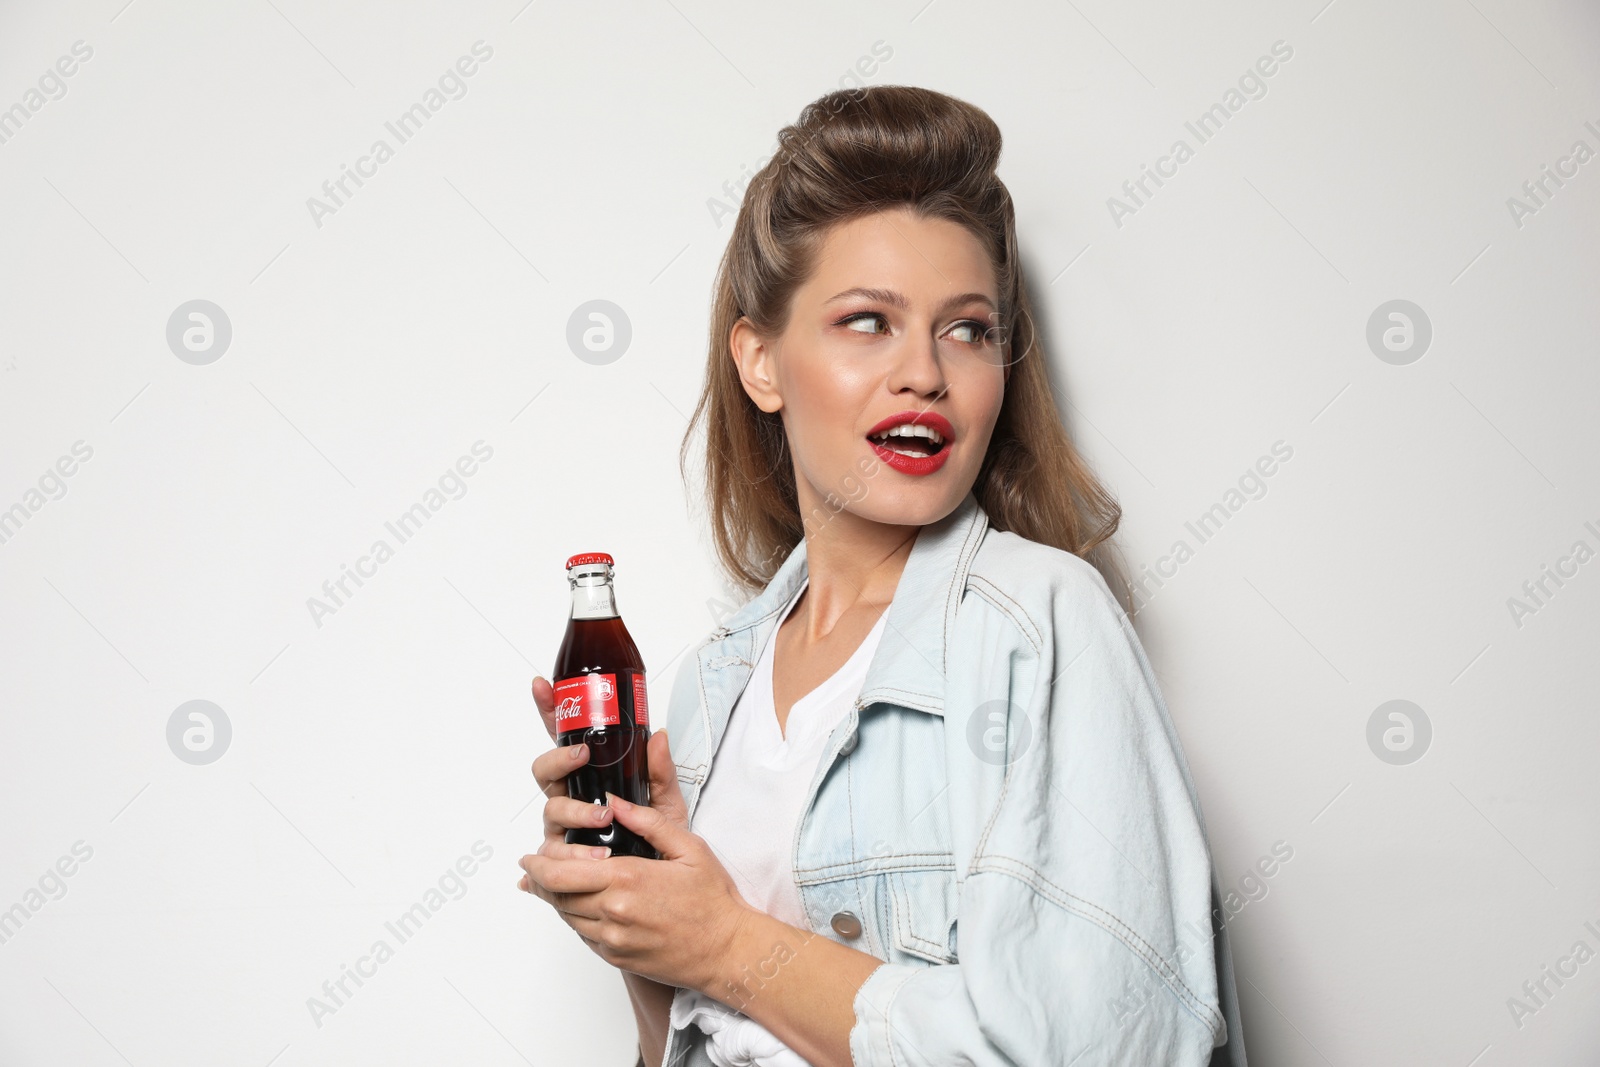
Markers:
point(917, 368)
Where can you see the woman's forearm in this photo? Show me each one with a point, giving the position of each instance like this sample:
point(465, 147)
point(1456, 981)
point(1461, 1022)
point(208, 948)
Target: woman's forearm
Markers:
point(798, 984)
point(652, 1002)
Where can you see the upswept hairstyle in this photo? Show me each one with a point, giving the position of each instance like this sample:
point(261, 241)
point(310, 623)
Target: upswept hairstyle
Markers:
point(853, 152)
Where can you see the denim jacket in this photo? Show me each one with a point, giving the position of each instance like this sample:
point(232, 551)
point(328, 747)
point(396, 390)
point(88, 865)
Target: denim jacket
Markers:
point(1005, 818)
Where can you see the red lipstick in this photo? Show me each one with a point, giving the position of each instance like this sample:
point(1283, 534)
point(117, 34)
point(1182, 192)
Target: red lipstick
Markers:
point(915, 464)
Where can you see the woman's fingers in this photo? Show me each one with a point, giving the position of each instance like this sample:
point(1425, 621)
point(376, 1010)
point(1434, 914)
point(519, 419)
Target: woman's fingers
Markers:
point(564, 813)
point(550, 769)
point(560, 850)
point(560, 880)
point(544, 698)
point(666, 795)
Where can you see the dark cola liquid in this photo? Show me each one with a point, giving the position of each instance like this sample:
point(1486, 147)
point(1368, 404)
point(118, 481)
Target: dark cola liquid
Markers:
point(603, 650)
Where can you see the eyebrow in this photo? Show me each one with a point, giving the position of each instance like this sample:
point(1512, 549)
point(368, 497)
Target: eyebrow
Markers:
point(894, 299)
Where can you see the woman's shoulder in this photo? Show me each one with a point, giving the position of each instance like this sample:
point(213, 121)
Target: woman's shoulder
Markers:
point(1042, 580)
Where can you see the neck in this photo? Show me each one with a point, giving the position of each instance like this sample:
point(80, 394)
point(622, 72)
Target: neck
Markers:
point(850, 562)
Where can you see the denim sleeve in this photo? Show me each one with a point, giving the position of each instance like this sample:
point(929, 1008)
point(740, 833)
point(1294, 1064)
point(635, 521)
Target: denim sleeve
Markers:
point(1085, 915)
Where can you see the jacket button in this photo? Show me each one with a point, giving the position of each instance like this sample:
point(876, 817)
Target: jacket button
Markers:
point(846, 925)
point(849, 745)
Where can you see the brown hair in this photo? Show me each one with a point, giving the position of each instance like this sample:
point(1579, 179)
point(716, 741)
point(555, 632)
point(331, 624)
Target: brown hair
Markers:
point(853, 152)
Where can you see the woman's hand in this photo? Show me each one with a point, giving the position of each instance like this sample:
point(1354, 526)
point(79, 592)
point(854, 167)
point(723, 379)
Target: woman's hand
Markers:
point(670, 919)
point(562, 812)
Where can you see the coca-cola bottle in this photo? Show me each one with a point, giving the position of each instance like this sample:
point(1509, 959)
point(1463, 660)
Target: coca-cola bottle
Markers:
point(600, 701)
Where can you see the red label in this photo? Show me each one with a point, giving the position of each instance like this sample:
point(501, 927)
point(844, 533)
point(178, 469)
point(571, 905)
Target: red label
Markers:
point(586, 701)
point(641, 705)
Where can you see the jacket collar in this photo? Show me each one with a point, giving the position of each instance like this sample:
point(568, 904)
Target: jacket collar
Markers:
point(908, 666)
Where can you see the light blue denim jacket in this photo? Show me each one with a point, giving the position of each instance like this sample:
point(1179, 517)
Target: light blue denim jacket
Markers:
point(1005, 817)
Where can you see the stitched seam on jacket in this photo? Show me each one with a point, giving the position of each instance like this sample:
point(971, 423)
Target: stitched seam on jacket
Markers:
point(899, 909)
point(908, 937)
point(994, 816)
point(903, 925)
point(921, 699)
point(900, 691)
point(1143, 949)
point(850, 806)
point(969, 549)
point(1005, 781)
point(845, 865)
point(705, 726)
point(1132, 940)
point(1153, 957)
point(994, 595)
point(907, 692)
point(696, 774)
point(888, 1024)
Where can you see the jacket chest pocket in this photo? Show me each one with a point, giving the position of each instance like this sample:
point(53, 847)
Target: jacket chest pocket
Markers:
point(923, 905)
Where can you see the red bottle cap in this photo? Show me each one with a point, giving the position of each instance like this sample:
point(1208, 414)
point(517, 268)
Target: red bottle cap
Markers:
point(590, 557)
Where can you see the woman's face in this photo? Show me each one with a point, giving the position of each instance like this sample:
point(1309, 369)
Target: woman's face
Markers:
point(893, 329)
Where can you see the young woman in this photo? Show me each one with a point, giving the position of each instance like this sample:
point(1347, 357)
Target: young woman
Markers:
point(923, 803)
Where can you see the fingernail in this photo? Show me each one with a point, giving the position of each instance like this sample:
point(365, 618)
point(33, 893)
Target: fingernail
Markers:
point(617, 802)
point(579, 751)
point(539, 678)
point(599, 852)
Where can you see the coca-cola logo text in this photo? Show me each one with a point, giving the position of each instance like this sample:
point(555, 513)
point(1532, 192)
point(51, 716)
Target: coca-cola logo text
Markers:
point(588, 701)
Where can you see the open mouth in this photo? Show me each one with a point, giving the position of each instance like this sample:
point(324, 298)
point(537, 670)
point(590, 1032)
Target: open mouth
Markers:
point(913, 442)
point(910, 440)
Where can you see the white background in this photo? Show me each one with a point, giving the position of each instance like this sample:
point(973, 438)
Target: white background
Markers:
point(369, 352)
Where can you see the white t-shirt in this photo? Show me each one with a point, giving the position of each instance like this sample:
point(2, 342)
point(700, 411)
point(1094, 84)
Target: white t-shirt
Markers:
point(748, 809)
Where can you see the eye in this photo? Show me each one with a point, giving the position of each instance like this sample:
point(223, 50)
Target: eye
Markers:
point(976, 332)
point(863, 321)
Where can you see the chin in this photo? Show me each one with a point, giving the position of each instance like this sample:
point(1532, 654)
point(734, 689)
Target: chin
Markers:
point(913, 505)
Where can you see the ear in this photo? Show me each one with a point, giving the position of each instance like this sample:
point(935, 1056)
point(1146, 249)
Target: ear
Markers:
point(753, 356)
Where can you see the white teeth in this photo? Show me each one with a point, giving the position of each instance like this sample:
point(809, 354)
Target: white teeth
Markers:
point(910, 430)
